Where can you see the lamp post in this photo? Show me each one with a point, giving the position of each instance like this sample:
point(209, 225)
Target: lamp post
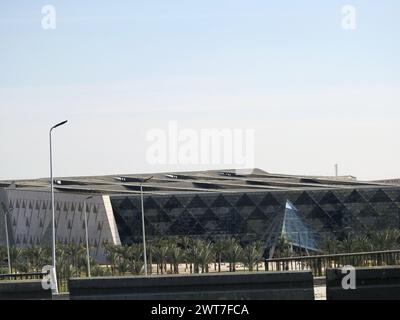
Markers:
point(7, 239)
point(87, 237)
point(143, 226)
point(52, 207)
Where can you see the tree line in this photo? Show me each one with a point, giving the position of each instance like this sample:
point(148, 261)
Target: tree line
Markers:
point(71, 259)
point(388, 239)
point(181, 254)
point(196, 255)
point(167, 254)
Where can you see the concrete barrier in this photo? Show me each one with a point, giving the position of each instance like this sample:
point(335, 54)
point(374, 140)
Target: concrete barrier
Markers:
point(374, 283)
point(23, 290)
point(285, 285)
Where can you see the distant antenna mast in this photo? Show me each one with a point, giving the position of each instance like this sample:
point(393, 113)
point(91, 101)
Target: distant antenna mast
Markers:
point(336, 170)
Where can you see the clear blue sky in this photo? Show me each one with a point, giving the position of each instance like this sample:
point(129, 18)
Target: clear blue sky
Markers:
point(315, 94)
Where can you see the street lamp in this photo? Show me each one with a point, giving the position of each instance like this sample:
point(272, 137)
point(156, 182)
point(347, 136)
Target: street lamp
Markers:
point(87, 237)
point(7, 239)
point(52, 207)
point(143, 227)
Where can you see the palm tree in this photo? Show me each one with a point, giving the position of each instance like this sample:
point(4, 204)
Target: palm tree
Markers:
point(150, 253)
point(16, 257)
point(331, 245)
point(349, 244)
point(233, 253)
point(75, 253)
point(3, 258)
point(385, 240)
point(161, 255)
point(98, 270)
point(283, 248)
point(122, 266)
point(219, 249)
point(81, 263)
point(27, 254)
point(194, 254)
point(122, 259)
point(39, 257)
point(111, 255)
point(252, 254)
point(185, 242)
point(206, 256)
point(175, 255)
point(118, 257)
point(135, 258)
point(353, 243)
point(64, 269)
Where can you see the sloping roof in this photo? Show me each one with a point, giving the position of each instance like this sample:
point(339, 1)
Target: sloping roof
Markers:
point(228, 180)
point(388, 181)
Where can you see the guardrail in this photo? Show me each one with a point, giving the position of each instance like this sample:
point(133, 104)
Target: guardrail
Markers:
point(319, 263)
point(23, 276)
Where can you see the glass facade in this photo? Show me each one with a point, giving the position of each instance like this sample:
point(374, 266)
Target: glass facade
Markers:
point(295, 231)
point(308, 215)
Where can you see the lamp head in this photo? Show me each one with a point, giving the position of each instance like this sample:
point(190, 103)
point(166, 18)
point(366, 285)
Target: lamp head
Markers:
point(59, 124)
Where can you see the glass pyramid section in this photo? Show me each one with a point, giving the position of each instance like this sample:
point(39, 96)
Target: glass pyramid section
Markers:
point(296, 232)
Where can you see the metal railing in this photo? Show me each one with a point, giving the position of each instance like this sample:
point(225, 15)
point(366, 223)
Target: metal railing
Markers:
point(319, 263)
point(23, 276)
